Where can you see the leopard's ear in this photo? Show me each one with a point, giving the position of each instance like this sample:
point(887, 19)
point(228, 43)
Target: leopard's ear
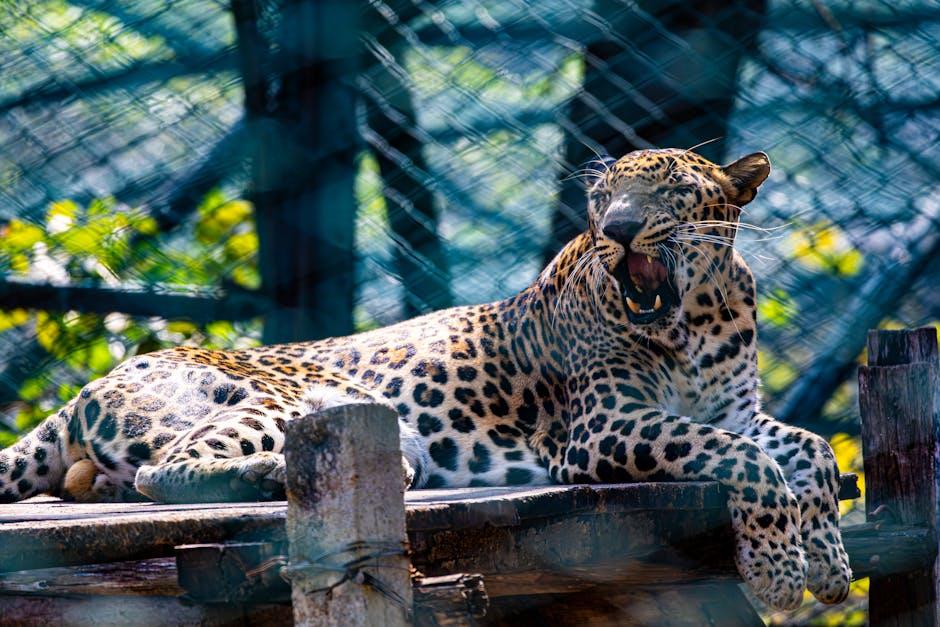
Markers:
point(745, 175)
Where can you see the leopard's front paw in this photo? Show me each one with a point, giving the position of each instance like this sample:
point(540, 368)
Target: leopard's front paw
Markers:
point(260, 476)
point(777, 579)
point(770, 555)
point(829, 573)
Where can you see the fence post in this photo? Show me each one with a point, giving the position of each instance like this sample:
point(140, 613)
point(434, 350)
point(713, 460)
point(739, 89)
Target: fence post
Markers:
point(898, 403)
point(346, 518)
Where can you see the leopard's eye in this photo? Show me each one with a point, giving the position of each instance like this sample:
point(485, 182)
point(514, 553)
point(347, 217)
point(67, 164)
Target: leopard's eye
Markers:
point(683, 189)
point(600, 197)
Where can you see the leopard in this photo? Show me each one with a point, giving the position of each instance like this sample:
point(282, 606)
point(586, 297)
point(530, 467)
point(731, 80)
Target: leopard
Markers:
point(631, 357)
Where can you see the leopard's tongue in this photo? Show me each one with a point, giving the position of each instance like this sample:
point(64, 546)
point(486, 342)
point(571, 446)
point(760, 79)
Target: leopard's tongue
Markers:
point(645, 271)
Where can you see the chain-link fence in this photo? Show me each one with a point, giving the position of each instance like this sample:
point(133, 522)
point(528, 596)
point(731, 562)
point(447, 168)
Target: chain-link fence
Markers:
point(145, 173)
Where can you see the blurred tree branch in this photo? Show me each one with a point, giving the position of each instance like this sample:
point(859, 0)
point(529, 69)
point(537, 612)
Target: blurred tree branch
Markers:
point(197, 307)
point(56, 89)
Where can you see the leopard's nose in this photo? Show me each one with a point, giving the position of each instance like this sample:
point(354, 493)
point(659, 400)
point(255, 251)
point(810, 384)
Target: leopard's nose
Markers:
point(622, 231)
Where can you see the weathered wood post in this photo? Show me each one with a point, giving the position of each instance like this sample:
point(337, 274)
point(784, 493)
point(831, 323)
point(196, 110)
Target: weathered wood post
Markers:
point(898, 401)
point(346, 518)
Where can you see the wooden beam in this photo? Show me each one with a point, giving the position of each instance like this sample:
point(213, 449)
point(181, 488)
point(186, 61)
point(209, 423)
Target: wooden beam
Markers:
point(154, 577)
point(200, 308)
point(60, 538)
point(218, 574)
point(458, 599)
point(121, 611)
point(346, 518)
point(420, 257)
point(898, 404)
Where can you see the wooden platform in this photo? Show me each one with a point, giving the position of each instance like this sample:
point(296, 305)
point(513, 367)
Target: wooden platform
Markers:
point(546, 541)
point(46, 532)
point(490, 530)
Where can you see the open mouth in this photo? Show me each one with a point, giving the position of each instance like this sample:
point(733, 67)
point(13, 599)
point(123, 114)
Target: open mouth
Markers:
point(647, 288)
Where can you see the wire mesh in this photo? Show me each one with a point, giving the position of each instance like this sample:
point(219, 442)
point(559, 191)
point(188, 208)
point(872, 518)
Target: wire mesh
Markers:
point(125, 164)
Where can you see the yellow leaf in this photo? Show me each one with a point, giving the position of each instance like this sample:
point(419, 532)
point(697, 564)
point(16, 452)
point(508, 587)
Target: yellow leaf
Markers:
point(67, 207)
point(13, 318)
point(824, 247)
point(19, 263)
point(211, 201)
point(220, 328)
point(246, 276)
point(850, 263)
point(181, 326)
point(80, 241)
point(775, 374)
point(21, 235)
point(147, 226)
point(827, 240)
point(47, 332)
point(848, 451)
point(241, 245)
point(778, 309)
point(29, 391)
point(232, 213)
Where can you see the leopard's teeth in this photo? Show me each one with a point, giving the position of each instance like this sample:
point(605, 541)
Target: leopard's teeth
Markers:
point(649, 259)
point(634, 307)
point(658, 303)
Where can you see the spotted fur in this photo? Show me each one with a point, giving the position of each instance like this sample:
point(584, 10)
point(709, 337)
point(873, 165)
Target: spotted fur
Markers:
point(631, 357)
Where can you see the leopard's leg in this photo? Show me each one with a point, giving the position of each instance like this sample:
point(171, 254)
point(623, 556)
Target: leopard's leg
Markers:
point(256, 477)
point(649, 444)
point(238, 457)
point(812, 473)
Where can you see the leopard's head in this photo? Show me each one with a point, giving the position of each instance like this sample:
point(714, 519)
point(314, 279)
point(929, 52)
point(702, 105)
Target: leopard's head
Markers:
point(662, 222)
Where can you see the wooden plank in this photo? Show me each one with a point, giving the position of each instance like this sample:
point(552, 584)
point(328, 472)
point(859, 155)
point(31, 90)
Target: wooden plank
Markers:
point(49, 543)
point(899, 347)
point(437, 600)
point(874, 549)
point(155, 577)
point(118, 611)
point(693, 605)
point(251, 572)
point(233, 572)
point(48, 533)
point(424, 507)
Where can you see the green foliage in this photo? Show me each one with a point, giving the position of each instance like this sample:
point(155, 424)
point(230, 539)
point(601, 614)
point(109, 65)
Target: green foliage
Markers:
point(776, 308)
point(94, 36)
point(113, 245)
